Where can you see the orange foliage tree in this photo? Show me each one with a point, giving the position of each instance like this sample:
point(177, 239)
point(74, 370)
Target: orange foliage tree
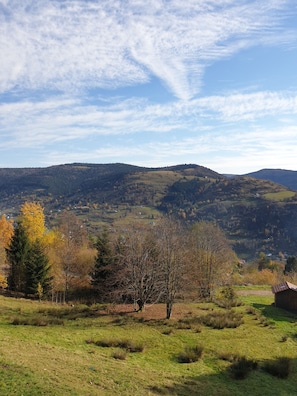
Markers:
point(6, 233)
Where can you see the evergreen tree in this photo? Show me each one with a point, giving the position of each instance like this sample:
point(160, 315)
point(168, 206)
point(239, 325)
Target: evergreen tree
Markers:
point(291, 265)
point(17, 255)
point(104, 264)
point(38, 280)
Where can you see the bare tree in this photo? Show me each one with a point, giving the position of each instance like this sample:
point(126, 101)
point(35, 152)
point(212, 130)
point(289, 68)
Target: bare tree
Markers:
point(139, 273)
point(171, 242)
point(212, 258)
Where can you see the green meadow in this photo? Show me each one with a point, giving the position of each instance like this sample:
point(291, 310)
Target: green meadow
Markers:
point(47, 349)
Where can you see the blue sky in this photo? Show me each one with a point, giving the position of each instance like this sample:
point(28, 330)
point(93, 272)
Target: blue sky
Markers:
point(150, 83)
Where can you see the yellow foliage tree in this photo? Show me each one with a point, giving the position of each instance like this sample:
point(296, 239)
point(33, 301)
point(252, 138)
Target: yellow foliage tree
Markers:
point(6, 233)
point(33, 220)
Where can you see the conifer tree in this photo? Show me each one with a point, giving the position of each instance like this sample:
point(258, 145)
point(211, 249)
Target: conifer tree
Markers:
point(17, 257)
point(37, 271)
point(104, 263)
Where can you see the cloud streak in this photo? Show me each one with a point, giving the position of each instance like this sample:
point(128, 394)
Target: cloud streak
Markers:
point(127, 129)
point(38, 123)
point(126, 81)
point(64, 46)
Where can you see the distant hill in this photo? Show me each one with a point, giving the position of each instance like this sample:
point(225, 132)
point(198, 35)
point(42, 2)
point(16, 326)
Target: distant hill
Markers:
point(256, 215)
point(287, 178)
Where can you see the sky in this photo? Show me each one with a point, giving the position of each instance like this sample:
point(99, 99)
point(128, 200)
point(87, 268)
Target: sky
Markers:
point(149, 83)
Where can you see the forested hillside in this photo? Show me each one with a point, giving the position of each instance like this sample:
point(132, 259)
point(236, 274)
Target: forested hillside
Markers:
point(256, 215)
point(287, 178)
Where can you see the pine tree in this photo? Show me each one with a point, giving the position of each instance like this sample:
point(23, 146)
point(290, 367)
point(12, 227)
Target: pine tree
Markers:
point(37, 271)
point(17, 255)
point(104, 264)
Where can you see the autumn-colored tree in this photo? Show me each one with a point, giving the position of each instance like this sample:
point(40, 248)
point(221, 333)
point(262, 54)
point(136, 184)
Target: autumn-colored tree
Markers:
point(212, 258)
point(28, 264)
point(33, 220)
point(6, 233)
point(71, 241)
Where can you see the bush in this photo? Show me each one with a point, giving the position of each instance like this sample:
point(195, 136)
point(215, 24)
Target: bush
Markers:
point(168, 331)
point(190, 354)
point(131, 346)
point(120, 354)
point(128, 345)
point(221, 320)
point(227, 298)
point(228, 356)
point(279, 368)
point(284, 338)
point(251, 310)
point(36, 321)
point(241, 367)
point(183, 325)
point(106, 343)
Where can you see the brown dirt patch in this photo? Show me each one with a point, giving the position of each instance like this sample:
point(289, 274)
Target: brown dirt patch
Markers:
point(155, 311)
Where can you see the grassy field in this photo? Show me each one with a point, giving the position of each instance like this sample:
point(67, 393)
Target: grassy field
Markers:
point(110, 350)
point(280, 196)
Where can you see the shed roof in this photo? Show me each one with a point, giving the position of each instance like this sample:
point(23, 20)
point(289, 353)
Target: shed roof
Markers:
point(283, 286)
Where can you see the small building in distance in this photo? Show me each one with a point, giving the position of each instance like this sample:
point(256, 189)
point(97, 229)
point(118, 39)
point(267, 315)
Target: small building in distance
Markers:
point(285, 296)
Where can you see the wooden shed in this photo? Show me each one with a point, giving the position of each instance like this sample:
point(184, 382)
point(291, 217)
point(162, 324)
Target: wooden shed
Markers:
point(285, 295)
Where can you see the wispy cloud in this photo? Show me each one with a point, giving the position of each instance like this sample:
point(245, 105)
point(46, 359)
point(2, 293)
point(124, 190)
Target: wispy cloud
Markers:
point(225, 153)
point(127, 129)
point(37, 123)
point(64, 46)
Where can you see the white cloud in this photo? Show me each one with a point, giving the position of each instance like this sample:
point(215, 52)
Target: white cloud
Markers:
point(224, 153)
point(33, 124)
point(223, 133)
point(111, 43)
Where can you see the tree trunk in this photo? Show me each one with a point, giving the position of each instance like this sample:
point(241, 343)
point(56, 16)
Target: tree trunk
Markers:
point(169, 306)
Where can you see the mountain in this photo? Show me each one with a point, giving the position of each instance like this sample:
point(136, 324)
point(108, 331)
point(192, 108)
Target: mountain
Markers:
point(287, 178)
point(256, 215)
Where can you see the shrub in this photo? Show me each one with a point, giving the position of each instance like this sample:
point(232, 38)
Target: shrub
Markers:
point(128, 345)
point(280, 367)
point(190, 354)
point(106, 343)
point(131, 346)
point(227, 298)
point(284, 338)
point(221, 320)
point(251, 310)
point(183, 326)
point(120, 354)
point(36, 321)
point(241, 367)
point(228, 356)
point(168, 331)
point(264, 277)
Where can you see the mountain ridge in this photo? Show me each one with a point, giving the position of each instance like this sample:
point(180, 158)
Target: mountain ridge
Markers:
point(256, 215)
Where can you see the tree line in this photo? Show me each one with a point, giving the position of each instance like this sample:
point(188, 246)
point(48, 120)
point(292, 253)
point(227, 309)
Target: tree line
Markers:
point(139, 265)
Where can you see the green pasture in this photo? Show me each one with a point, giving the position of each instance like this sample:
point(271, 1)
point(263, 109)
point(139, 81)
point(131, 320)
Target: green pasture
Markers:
point(280, 195)
point(47, 349)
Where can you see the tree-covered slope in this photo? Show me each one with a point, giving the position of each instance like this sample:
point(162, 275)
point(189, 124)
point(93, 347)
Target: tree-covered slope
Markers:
point(287, 178)
point(257, 215)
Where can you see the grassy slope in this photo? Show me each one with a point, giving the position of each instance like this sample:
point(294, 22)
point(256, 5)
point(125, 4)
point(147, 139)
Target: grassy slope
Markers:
point(57, 360)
